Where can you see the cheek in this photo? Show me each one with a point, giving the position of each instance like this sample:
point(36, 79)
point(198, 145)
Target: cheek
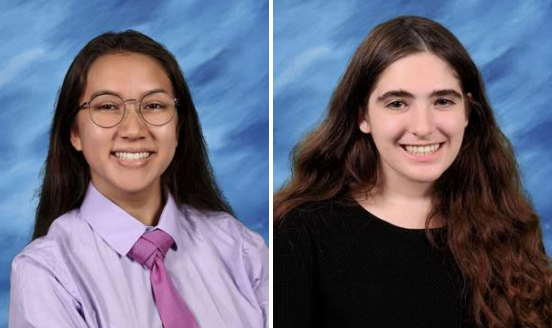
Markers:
point(455, 127)
point(173, 134)
point(94, 139)
point(386, 130)
point(168, 150)
point(169, 139)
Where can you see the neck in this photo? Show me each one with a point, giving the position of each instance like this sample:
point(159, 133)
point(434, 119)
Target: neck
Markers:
point(404, 203)
point(407, 192)
point(145, 205)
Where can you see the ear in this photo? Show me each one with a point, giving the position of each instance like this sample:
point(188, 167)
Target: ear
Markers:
point(75, 137)
point(363, 121)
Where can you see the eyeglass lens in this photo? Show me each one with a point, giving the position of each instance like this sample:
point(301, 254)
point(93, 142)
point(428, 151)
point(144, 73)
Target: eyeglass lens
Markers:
point(108, 110)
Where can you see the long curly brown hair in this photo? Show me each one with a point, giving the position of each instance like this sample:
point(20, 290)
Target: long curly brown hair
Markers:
point(493, 231)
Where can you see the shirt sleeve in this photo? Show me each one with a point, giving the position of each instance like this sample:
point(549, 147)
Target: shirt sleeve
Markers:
point(294, 276)
point(257, 267)
point(39, 299)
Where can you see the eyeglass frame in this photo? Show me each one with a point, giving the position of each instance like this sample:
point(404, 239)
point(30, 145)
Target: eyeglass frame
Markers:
point(138, 108)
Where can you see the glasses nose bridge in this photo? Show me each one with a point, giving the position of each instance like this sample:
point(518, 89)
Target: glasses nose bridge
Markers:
point(137, 110)
point(138, 104)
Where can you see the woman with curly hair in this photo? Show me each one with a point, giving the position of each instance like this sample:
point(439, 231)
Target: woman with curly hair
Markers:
point(405, 207)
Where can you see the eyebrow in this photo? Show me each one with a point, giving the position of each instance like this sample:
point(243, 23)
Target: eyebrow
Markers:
point(405, 94)
point(108, 92)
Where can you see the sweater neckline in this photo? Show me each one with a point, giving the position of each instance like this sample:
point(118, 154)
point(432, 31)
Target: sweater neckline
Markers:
point(365, 212)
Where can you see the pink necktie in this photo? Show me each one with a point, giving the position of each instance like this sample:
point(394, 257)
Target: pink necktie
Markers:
point(150, 250)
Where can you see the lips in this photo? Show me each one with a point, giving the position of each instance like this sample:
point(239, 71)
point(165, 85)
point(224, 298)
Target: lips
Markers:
point(422, 151)
point(419, 150)
point(132, 158)
point(129, 156)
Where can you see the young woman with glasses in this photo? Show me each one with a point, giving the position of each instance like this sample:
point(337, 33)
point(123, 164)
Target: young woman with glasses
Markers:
point(131, 228)
point(405, 207)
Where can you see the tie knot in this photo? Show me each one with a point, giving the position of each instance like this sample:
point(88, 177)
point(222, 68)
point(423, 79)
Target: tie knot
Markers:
point(151, 244)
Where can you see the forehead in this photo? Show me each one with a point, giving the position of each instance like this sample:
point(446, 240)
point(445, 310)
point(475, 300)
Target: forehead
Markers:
point(129, 74)
point(420, 73)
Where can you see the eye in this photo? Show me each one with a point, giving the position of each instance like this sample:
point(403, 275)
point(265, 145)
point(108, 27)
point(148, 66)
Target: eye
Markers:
point(442, 102)
point(106, 107)
point(154, 106)
point(397, 104)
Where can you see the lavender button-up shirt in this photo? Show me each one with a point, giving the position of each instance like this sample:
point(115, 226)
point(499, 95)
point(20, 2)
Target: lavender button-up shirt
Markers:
point(79, 275)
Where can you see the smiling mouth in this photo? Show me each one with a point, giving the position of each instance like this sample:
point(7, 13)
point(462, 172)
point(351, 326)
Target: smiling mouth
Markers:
point(126, 156)
point(422, 150)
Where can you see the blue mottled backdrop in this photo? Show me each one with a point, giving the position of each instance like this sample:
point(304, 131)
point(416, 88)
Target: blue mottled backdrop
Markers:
point(222, 47)
point(510, 41)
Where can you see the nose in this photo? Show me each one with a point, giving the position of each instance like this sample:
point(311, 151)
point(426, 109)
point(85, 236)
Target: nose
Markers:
point(421, 121)
point(132, 126)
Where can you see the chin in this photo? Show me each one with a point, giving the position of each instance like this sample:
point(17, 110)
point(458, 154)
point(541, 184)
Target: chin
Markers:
point(427, 177)
point(127, 186)
point(132, 187)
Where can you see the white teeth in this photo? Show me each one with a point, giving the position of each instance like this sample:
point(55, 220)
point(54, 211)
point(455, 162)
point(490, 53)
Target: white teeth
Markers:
point(422, 150)
point(132, 156)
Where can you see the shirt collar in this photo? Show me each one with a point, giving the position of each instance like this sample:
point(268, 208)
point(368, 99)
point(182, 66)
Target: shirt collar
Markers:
point(120, 229)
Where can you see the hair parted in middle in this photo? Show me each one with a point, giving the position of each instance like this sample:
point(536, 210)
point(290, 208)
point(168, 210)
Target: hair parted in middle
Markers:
point(493, 230)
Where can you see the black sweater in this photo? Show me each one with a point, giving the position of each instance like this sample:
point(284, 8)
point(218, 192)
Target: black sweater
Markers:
point(339, 266)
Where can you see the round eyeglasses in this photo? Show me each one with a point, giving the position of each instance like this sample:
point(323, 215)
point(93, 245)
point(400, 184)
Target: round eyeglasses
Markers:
point(108, 110)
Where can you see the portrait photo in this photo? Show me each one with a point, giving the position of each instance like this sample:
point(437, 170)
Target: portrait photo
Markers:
point(411, 164)
point(111, 107)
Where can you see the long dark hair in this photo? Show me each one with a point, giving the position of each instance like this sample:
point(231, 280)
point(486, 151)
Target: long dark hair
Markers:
point(66, 174)
point(493, 231)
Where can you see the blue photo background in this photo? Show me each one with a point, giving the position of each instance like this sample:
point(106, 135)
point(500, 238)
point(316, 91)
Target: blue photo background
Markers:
point(222, 47)
point(508, 40)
